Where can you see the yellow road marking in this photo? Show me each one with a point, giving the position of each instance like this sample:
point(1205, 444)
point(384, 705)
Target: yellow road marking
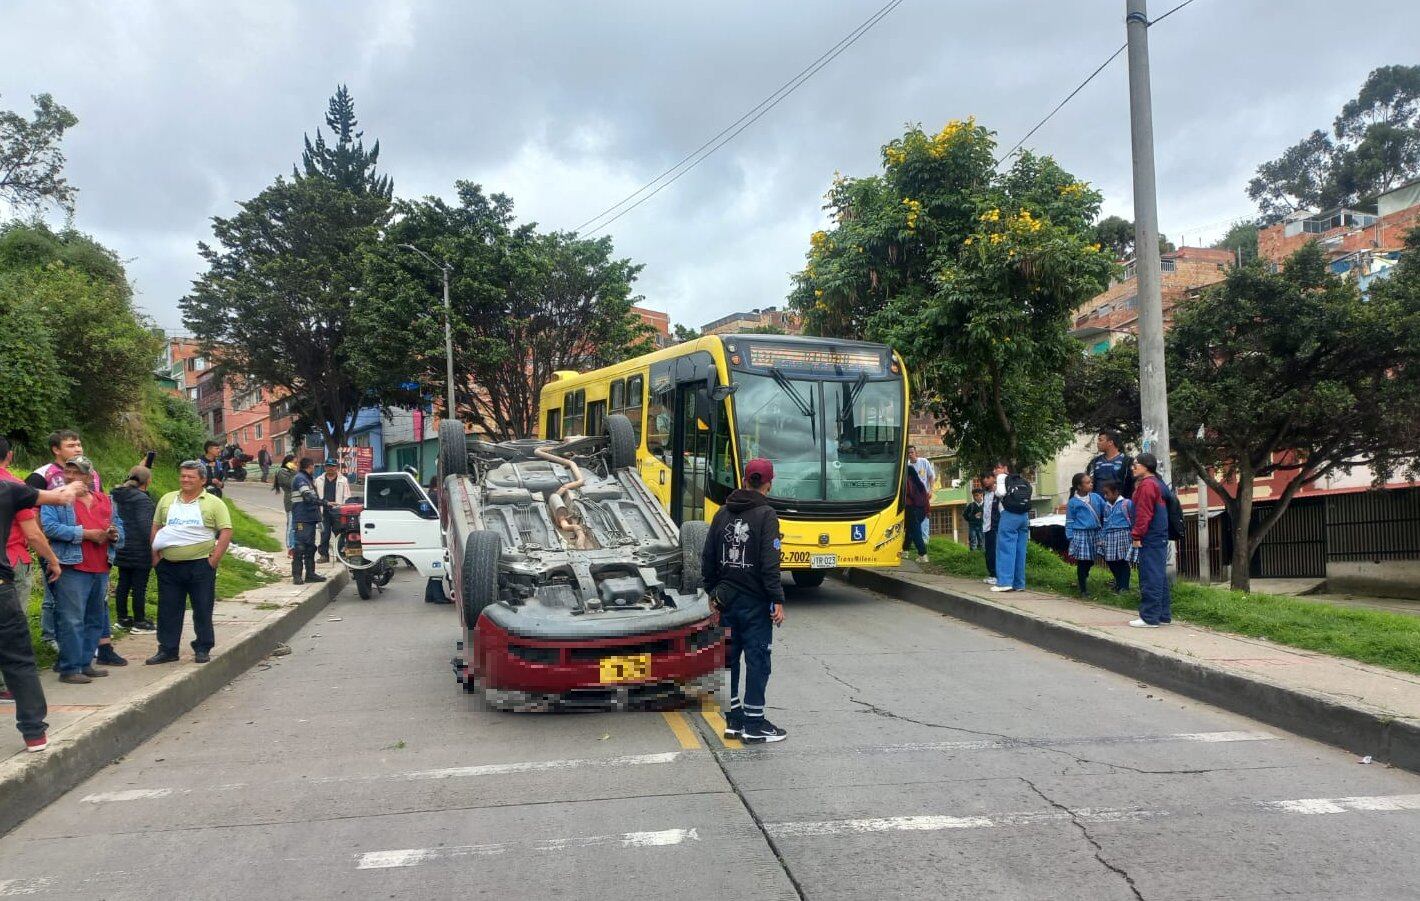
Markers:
point(681, 727)
point(711, 713)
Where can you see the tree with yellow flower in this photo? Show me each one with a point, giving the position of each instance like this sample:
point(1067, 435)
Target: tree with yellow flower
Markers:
point(971, 274)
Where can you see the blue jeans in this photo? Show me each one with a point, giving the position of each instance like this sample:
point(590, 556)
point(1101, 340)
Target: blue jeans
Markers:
point(80, 614)
point(751, 631)
point(1013, 535)
point(926, 527)
point(290, 530)
point(1155, 605)
point(46, 612)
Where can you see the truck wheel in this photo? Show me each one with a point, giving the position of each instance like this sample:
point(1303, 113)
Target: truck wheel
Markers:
point(478, 579)
point(453, 449)
point(364, 584)
point(808, 578)
point(621, 435)
point(692, 543)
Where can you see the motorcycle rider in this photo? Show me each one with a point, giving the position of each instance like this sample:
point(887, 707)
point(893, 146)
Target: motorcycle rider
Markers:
point(740, 565)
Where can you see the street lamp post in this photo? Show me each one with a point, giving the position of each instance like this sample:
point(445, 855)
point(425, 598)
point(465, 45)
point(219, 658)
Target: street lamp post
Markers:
point(451, 410)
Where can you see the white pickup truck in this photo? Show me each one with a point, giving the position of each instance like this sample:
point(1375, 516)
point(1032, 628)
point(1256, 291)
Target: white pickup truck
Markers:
point(393, 521)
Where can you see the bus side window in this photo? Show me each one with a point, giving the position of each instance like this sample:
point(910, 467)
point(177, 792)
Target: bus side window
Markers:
point(618, 396)
point(634, 393)
point(722, 462)
point(658, 426)
point(553, 430)
point(574, 405)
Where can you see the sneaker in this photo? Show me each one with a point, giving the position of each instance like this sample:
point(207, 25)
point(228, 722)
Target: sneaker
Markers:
point(35, 745)
point(1003, 588)
point(989, 580)
point(125, 623)
point(734, 723)
point(143, 625)
point(201, 656)
point(921, 558)
point(161, 657)
point(74, 678)
point(7, 696)
point(93, 672)
point(315, 578)
point(761, 732)
point(1140, 624)
point(109, 657)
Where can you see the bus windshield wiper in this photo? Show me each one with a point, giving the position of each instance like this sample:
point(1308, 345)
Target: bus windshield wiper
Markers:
point(789, 389)
point(857, 389)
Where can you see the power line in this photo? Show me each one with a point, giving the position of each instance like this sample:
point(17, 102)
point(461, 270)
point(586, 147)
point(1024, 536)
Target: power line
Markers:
point(1068, 97)
point(729, 132)
point(1081, 86)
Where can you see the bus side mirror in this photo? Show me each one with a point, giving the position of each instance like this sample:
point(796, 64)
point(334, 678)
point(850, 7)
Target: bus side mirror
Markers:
point(720, 392)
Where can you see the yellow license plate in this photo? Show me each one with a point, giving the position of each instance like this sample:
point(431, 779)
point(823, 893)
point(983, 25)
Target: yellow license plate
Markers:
point(626, 669)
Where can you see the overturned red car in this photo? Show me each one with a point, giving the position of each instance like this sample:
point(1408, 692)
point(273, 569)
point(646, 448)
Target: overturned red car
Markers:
point(574, 588)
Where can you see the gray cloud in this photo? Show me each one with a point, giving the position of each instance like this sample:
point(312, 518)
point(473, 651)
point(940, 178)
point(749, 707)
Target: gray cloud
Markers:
point(186, 108)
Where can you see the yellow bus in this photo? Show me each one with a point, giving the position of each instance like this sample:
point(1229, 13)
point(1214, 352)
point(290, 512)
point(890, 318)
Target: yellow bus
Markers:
point(830, 415)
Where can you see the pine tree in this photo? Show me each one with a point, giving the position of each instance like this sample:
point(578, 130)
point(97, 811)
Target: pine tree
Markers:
point(346, 163)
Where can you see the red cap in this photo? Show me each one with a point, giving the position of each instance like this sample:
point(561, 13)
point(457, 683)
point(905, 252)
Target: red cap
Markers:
point(760, 467)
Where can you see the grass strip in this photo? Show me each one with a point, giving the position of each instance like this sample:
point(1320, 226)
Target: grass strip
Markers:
point(1371, 636)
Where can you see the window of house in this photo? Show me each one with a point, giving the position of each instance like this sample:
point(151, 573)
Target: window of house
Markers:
point(258, 431)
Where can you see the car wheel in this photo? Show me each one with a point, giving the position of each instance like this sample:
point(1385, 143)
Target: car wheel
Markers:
point(453, 449)
point(478, 578)
point(692, 543)
point(808, 578)
point(621, 435)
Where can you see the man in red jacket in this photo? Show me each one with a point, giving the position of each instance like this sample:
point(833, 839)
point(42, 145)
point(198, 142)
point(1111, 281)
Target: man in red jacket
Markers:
point(1151, 536)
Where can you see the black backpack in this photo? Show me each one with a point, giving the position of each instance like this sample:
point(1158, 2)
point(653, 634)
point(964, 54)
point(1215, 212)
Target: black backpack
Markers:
point(1018, 492)
point(1175, 512)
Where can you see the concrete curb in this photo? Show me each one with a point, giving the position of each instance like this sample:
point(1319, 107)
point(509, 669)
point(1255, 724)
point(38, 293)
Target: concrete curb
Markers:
point(29, 782)
point(1352, 727)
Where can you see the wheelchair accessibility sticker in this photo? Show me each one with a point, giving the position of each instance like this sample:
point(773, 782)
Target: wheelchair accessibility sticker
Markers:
point(860, 531)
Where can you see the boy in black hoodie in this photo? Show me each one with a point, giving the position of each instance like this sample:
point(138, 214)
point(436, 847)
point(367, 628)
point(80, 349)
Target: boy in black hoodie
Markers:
point(740, 565)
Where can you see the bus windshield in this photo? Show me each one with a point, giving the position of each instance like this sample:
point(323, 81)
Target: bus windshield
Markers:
point(828, 440)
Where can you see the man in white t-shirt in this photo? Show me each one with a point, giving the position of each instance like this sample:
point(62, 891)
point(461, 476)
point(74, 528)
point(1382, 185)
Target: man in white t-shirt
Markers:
point(928, 474)
point(191, 531)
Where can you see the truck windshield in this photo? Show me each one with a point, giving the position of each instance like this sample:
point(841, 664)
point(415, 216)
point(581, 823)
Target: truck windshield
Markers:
point(828, 440)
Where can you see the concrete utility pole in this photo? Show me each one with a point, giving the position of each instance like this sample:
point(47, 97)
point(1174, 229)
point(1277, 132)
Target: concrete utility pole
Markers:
point(450, 411)
point(1153, 387)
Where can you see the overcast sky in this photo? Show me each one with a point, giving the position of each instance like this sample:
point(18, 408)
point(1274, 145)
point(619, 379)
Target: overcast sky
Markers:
point(186, 108)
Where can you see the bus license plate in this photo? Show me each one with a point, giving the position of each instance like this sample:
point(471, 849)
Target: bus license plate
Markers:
point(823, 561)
point(625, 669)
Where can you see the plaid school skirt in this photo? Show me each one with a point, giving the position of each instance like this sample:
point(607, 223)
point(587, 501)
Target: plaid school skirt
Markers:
point(1083, 544)
point(1115, 544)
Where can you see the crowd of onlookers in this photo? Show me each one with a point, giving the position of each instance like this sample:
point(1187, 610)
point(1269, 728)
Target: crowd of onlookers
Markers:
point(1117, 514)
point(81, 534)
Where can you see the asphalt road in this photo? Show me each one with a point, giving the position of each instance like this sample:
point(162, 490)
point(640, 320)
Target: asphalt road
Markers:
point(925, 759)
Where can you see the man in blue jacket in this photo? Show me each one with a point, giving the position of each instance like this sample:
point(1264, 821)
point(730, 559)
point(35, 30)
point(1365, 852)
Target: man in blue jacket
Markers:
point(305, 522)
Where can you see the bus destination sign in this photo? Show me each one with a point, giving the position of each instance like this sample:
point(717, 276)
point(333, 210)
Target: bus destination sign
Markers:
point(818, 360)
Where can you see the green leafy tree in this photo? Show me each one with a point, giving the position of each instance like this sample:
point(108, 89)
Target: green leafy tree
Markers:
point(525, 305)
point(1117, 234)
point(280, 296)
point(971, 275)
point(1241, 239)
point(31, 161)
point(1374, 145)
point(33, 384)
point(1290, 374)
point(681, 333)
point(33, 245)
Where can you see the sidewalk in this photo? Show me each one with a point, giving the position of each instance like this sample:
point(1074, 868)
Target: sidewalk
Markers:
point(1365, 709)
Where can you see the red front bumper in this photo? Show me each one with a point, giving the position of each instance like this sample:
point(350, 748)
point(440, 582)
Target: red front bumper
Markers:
point(571, 671)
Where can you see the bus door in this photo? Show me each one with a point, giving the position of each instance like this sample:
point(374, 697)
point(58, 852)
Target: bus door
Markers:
point(691, 441)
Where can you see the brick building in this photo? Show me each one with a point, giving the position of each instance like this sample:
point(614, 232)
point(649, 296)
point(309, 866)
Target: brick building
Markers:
point(1115, 311)
point(659, 322)
point(183, 364)
point(1346, 233)
point(785, 321)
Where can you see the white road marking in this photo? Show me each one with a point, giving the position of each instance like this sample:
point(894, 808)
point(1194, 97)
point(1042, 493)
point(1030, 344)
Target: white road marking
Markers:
point(413, 857)
point(459, 772)
point(132, 794)
point(1342, 805)
point(937, 823)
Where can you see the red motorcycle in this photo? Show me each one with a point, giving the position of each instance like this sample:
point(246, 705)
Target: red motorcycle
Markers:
point(350, 549)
